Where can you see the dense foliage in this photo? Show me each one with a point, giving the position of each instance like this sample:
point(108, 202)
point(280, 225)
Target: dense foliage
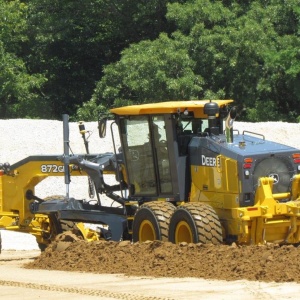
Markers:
point(20, 89)
point(82, 57)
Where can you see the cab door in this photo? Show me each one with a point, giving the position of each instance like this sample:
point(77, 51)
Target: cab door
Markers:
point(144, 144)
point(138, 152)
point(160, 145)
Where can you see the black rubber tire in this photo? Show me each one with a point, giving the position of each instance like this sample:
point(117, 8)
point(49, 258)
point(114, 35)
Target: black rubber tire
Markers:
point(61, 225)
point(57, 226)
point(67, 225)
point(195, 223)
point(151, 221)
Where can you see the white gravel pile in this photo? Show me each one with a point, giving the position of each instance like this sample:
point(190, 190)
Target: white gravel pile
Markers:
point(21, 138)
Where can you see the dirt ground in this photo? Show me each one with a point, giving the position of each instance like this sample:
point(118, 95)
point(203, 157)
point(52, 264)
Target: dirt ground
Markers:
point(71, 268)
point(267, 263)
point(17, 282)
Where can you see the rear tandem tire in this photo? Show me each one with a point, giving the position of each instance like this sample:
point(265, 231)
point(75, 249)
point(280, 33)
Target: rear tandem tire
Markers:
point(151, 221)
point(195, 223)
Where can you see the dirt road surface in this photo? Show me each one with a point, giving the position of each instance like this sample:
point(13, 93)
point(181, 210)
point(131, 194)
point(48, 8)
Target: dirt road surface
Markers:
point(18, 282)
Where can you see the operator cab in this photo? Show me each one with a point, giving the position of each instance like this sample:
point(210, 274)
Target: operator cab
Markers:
point(155, 148)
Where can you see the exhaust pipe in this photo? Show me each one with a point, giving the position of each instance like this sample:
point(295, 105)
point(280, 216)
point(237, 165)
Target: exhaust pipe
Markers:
point(229, 125)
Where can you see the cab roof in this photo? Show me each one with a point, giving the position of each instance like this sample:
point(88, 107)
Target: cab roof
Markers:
point(169, 107)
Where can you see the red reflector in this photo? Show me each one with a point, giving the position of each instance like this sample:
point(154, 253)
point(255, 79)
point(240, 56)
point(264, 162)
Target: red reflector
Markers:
point(297, 160)
point(247, 166)
point(252, 208)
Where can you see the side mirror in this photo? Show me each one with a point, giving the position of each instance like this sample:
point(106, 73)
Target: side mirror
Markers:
point(102, 126)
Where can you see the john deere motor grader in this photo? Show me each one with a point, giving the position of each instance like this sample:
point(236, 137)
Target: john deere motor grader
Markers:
point(183, 175)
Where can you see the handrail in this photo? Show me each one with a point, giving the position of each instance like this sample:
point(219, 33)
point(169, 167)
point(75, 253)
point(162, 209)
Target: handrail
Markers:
point(255, 133)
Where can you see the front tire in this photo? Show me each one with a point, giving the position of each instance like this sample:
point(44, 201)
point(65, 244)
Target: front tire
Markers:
point(54, 226)
point(151, 221)
point(195, 223)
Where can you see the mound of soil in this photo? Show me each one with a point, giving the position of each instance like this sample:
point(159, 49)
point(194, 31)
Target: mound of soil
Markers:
point(267, 263)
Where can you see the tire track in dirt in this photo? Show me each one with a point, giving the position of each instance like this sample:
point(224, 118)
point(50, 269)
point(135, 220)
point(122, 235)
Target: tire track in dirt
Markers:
point(73, 290)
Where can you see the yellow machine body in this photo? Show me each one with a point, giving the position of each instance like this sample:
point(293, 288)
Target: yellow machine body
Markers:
point(183, 175)
point(15, 213)
point(267, 220)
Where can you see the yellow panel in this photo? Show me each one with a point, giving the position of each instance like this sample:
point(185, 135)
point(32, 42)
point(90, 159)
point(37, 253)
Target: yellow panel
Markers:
point(231, 176)
point(223, 178)
point(13, 187)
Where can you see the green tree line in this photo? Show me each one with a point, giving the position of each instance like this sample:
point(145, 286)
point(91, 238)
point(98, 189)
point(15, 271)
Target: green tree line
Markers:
point(83, 57)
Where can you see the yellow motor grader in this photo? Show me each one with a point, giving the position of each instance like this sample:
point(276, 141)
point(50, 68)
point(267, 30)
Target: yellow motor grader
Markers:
point(183, 175)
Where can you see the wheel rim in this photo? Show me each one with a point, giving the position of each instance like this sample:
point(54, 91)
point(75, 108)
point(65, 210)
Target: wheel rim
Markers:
point(183, 233)
point(146, 231)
